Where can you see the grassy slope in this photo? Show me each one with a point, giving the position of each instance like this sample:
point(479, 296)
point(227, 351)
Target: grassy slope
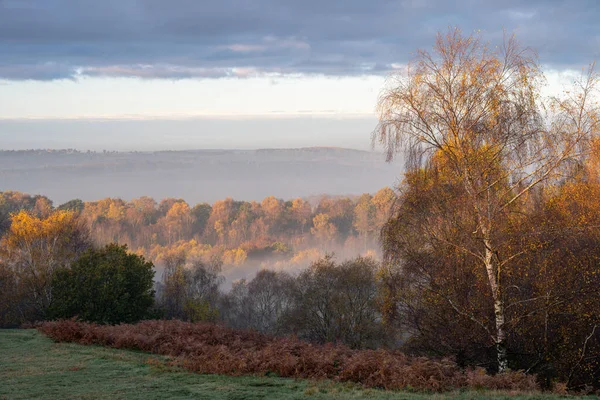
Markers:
point(32, 366)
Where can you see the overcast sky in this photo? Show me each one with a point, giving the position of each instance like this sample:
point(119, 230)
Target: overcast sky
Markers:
point(244, 59)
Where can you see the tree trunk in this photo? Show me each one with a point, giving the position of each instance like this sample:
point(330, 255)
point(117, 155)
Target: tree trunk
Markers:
point(494, 278)
point(500, 336)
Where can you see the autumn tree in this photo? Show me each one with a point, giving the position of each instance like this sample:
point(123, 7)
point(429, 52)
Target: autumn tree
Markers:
point(269, 297)
point(272, 209)
point(202, 286)
point(364, 217)
point(234, 308)
point(333, 302)
point(323, 229)
point(189, 289)
point(147, 207)
point(201, 213)
point(34, 248)
point(340, 212)
point(259, 304)
point(171, 291)
point(301, 213)
point(426, 279)
point(476, 112)
point(562, 276)
point(239, 229)
point(106, 219)
point(43, 207)
point(12, 202)
point(222, 214)
point(383, 201)
point(75, 205)
point(166, 204)
point(177, 222)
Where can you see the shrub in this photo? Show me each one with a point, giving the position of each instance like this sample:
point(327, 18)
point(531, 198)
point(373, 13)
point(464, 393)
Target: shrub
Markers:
point(107, 286)
point(213, 349)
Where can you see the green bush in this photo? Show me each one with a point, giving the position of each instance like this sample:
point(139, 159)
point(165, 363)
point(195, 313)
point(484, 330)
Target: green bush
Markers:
point(106, 286)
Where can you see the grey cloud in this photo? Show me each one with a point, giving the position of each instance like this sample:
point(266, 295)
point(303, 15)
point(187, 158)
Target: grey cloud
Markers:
point(41, 71)
point(44, 40)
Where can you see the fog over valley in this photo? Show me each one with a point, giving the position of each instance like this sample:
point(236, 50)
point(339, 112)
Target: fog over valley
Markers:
point(196, 175)
point(231, 132)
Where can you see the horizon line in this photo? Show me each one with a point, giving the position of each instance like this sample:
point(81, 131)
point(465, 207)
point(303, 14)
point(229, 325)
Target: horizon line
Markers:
point(196, 116)
point(72, 149)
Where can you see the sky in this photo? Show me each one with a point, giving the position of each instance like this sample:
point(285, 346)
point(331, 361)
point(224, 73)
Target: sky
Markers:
point(155, 74)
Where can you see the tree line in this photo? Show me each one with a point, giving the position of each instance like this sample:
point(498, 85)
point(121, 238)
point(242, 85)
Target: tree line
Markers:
point(236, 231)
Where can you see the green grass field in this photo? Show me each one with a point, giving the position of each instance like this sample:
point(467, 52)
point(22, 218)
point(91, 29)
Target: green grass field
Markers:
point(33, 367)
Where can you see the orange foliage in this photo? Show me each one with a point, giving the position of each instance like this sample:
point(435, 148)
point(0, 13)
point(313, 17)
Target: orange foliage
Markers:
point(212, 349)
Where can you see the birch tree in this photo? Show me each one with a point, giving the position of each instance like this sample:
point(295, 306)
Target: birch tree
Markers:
point(477, 110)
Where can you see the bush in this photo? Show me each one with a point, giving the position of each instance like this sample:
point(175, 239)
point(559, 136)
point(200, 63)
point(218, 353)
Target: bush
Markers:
point(213, 349)
point(106, 286)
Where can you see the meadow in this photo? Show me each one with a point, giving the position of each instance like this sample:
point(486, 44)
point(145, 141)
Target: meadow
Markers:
point(34, 367)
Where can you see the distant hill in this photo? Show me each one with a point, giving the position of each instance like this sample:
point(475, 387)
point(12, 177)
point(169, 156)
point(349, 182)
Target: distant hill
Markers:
point(196, 175)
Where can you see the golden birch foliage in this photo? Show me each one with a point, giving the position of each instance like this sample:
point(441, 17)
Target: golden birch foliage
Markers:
point(323, 229)
point(34, 248)
point(478, 112)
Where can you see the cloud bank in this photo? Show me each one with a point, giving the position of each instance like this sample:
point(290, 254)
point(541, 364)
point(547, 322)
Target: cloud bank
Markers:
point(178, 39)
